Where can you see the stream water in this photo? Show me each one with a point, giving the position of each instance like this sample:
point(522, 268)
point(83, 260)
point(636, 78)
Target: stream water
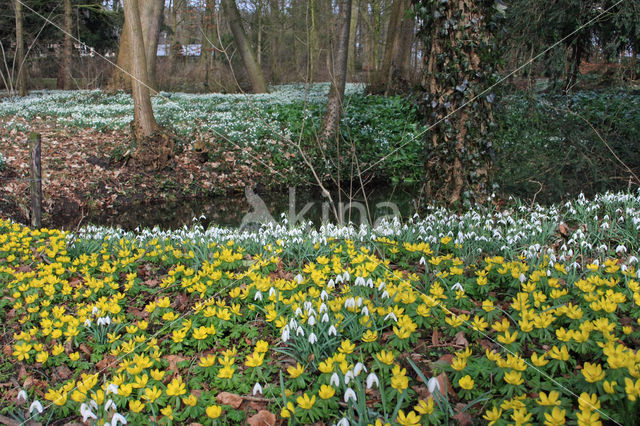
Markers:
point(253, 208)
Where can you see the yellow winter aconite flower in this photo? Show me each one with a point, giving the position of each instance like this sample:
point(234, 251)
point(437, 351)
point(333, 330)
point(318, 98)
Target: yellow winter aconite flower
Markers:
point(555, 418)
point(167, 412)
point(214, 411)
point(326, 392)
point(295, 372)
point(410, 419)
point(136, 406)
point(592, 372)
point(254, 359)
point(346, 347)
point(561, 354)
point(261, 346)
point(176, 387)
point(399, 380)
point(632, 388)
point(305, 402)
point(493, 415)
point(424, 407)
point(513, 378)
point(466, 382)
point(151, 394)
point(549, 400)
point(385, 357)
point(191, 400)
point(369, 336)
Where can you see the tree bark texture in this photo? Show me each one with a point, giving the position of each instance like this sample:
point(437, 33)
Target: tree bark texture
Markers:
point(144, 122)
point(150, 13)
point(254, 72)
point(331, 123)
point(456, 35)
point(65, 76)
point(19, 69)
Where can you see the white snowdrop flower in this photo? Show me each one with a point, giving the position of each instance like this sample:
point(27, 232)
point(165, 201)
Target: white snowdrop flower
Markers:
point(285, 334)
point(338, 279)
point(300, 332)
point(358, 301)
point(36, 406)
point(596, 262)
point(423, 261)
point(325, 317)
point(110, 404)
point(523, 278)
point(381, 286)
point(433, 384)
point(350, 394)
point(257, 388)
point(633, 259)
point(333, 331)
point(112, 388)
point(322, 308)
point(311, 321)
point(359, 281)
point(104, 320)
point(365, 312)
point(272, 292)
point(335, 380)
point(118, 419)
point(457, 286)
point(324, 296)
point(258, 295)
point(369, 283)
point(343, 422)
point(299, 278)
point(293, 324)
point(346, 276)
point(575, 265)
point(313, 338)
point(95, 311)
point(348, 377)
point(372, 379)
point(621, 249)
point(623, 268)
point(350, 303)
point(298, 312)
point(22, 396)
point(392, 316)
point(605, 225)
point(359, 368)
point(331, 284)
point(86, 413)
point(93, 404)
point(87, 322)
point(385, 294)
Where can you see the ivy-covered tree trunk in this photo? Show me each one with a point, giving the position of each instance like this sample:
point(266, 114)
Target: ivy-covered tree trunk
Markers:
point(460, 61)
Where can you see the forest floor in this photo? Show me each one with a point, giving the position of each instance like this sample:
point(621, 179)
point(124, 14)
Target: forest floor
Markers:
point(80, 175)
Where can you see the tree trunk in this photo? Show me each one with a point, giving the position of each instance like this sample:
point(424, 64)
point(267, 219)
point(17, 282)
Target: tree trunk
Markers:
point(150, 13)
point(144, 122)
point(64, 77)
point(155, 147)
point(353, 26)
point(258, 82)
point(393, 28)
point(21, 80)
point(151, 21)
point(331, 123)
point(459, 145)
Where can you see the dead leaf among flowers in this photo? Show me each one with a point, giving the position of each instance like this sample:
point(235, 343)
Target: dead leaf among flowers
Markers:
point(262, 418)
point(460, 339)
point(231, 399)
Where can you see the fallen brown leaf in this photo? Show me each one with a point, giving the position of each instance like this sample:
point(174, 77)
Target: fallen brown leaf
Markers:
point(262, 418)
point(231, 399)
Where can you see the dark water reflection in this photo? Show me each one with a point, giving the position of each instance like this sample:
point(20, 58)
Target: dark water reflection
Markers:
point(252, 207)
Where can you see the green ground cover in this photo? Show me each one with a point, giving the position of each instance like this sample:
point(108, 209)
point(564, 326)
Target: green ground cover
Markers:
point(540, 144)
point(525, 315)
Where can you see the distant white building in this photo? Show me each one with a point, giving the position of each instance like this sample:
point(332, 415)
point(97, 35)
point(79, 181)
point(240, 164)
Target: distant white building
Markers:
point(188, 50)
